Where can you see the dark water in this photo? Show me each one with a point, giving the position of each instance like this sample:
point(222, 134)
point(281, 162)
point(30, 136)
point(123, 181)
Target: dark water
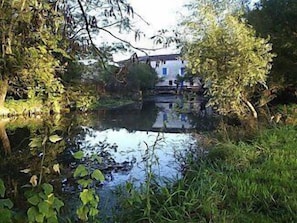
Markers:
point(130, 140)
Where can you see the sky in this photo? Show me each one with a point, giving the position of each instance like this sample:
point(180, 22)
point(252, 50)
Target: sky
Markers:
point(159, 14)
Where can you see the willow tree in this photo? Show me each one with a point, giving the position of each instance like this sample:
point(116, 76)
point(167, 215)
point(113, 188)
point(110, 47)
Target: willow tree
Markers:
point(30, 39)
point(225, 52)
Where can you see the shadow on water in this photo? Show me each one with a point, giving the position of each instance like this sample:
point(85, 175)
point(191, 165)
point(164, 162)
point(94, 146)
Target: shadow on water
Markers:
point(121, 137)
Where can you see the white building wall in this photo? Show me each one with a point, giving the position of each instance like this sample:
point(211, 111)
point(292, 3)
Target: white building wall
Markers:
point(173, 67)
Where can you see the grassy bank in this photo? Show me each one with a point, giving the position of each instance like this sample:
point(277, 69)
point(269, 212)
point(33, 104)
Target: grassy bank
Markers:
point(251, 181)
point(113, 102)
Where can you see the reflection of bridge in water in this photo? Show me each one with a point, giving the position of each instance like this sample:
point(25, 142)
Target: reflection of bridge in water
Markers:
point(176, 90)
point(166, 113)
point(168, 119)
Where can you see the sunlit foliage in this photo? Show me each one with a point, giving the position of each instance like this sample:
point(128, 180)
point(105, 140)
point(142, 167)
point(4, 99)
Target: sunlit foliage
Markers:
point(30, 41)
point(229, 57)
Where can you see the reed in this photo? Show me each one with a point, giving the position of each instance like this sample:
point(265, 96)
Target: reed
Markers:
point(242, 181)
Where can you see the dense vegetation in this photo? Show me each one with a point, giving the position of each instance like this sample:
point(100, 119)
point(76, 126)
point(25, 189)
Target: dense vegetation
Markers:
point(42, 42)
point(246, 172)
point(276, 20)
point(237, 181)
point(231, 60)
point(247, 58)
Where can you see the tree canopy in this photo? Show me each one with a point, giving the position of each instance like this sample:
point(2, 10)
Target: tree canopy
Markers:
point(225, 52)
point(30, 42)
point(40, 37)
point(277, 19)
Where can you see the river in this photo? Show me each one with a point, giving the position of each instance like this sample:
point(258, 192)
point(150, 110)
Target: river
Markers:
point(131, 140)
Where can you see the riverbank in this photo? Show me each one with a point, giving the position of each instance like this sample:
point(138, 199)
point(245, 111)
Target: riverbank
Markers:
point(35, 108)
point(113, 102)
point(250, 180)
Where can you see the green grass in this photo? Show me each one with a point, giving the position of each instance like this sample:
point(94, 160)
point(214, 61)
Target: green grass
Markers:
point(253, 181)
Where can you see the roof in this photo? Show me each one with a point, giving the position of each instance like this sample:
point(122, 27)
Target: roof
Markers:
point(162, 57)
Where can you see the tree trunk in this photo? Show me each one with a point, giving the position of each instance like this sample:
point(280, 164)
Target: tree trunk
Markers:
point(3, 92)
point(251, 107)
point(4, 138)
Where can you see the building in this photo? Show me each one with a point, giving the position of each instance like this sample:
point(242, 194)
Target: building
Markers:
point(169, 67)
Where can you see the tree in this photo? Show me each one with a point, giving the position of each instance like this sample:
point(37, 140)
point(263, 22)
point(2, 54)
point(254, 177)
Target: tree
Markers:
point(89, 23)
point(277, 19)
point(230, 59)
point(141, 76)
point(30, 41)
point(36, 33)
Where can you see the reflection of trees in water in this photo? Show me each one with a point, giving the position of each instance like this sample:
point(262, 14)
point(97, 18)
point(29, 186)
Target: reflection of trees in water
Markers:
point(23, 161)
point(129, 117)
point(102, 150)
point(17, 156)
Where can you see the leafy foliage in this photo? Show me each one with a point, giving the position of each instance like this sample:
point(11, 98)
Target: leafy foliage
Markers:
point(235, 182)
point(30, 40)
point(45, 205)
point(231, 60)
point(86, 179)
point(141, 76)
point(84, 20)
point(277, 19)
point(5, 204)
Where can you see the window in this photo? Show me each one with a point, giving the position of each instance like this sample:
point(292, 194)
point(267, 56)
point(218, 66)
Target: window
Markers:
point(164, 70)
point(182, 71)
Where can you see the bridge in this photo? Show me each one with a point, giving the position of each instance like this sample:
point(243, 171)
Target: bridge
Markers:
point(179, 90)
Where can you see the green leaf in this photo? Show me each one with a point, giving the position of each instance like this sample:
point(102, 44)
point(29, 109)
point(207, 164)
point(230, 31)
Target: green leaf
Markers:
point(2, 188)
point(78, 155)
point(55, 138)
point(34, 199)
point(48, 188)
point(40, 217)
point(51, 213)
point(85, 183)
point(93, 212)
point(5, 215)
point(80, 171)
point(52, 219)
point(86, 196)
point(6, 203)
point(82, 213)
point(98, 175)
point(97, 158)
point(35, 142)
point(44, 207)
point(31, 213)
point(43, 196)
point(57, 204)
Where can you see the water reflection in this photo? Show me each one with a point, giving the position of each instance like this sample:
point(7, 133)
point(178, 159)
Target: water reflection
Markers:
point(130, 151)
point(128, 140)
point(132, 129)
point(166, 114)
point(124, 136)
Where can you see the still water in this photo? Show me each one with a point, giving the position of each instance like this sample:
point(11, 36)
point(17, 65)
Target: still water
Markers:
point(129, 140)
point(162, 127)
